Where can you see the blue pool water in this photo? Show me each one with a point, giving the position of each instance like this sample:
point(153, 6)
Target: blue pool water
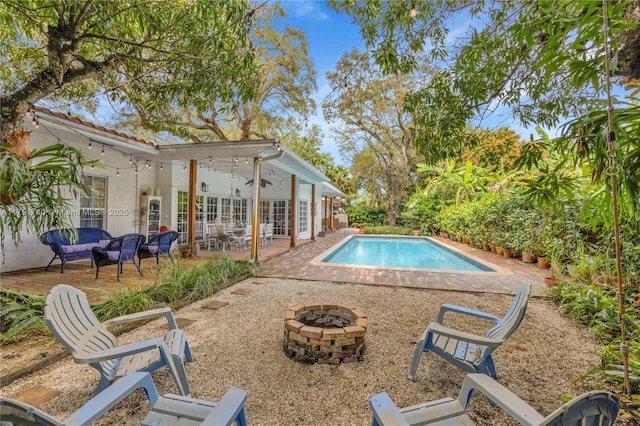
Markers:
point(401, 253)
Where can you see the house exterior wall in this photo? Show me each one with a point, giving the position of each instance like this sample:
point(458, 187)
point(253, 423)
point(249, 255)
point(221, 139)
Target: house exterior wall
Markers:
point(122, 199)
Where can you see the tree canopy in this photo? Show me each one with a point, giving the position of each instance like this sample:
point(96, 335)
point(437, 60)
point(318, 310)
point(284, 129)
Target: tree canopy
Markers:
point(371, 126)
point(148, 54)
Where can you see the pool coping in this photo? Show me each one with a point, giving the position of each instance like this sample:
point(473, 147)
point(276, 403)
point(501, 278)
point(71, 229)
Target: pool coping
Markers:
point(497, 270)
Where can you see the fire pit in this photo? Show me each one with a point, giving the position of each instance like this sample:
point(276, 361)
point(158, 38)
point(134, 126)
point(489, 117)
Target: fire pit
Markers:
point(324, 333)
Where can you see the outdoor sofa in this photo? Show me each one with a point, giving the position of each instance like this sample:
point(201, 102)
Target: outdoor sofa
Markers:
point(74, 244)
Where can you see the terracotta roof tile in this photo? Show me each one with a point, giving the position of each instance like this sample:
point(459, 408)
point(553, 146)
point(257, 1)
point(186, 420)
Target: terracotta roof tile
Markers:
point(93, 126)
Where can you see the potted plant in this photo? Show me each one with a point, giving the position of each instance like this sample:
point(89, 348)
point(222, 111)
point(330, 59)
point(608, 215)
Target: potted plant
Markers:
point(416, 232)
point(185, 250)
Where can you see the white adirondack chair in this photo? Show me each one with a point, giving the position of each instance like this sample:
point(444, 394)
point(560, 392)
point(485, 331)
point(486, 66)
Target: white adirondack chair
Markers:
point(592, 408)
point(468, 351)
point(165, 410)
point(71, 320)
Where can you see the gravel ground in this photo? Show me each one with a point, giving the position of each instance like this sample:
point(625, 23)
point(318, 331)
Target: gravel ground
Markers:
point(241, 345)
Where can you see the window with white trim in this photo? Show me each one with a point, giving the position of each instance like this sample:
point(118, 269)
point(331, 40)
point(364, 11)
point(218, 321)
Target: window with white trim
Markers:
point(303, 216)
point(93, 203)
point(212, 209)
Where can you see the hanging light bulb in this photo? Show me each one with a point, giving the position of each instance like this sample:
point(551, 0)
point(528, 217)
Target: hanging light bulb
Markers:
point(117, 172)
point(170, 75)
point(35, 121)
point(413, 12)
point(130, 159)
point(92, 167)
point(102, 152)
point(161, 168)
point(90, 145)
point(135, 171)
point(149, 165)
point(184, 167)
point(209, 160)
point(246, 160)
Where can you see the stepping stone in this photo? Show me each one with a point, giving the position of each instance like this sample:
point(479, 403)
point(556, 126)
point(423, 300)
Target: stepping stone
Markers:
point(215, 305)
point(241, 291)
point(37, 395)
point(183, 322)
point(262, 281)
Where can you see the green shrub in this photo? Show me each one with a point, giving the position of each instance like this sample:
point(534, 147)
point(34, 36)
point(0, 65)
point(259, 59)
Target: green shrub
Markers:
point(389, 230)
point(366, 216)
point(21, 316)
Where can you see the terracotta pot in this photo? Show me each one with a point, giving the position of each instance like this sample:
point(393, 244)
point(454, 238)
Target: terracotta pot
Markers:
point(506, 252)
point(550, 281)
point(543, 263)
point(186, 252)
point(416, 232)
point(361, 230)
point(486, 247)
point(499, 250)
point(528, 257)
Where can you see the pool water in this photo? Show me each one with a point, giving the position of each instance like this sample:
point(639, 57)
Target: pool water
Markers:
point(399, 252)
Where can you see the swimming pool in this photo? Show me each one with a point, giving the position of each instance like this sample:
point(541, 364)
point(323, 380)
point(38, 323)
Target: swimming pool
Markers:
point(400, 252)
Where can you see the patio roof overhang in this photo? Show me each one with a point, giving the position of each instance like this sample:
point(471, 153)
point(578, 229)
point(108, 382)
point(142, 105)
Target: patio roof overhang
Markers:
point(225, 152)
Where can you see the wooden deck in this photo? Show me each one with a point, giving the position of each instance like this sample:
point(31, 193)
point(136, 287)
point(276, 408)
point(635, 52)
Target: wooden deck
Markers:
point(80, 274)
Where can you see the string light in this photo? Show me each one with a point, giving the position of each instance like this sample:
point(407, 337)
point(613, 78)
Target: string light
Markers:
point(90, 145)
point(149, 165)
point(209, 160)
point(35, 121)
point(131, 160)
point(102, 152)
point(135, 171)
point(413, 12)
point(246, 160)
point(184, 167)
point(161, 168)
point(117, 172)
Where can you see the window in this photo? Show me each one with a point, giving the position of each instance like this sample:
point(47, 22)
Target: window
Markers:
point(265, 213)
point(92, 205)
point(212, 209)
point(281, 216)
point(303, 217)
point(225, 210)
point(183, 216)
point(240, 211)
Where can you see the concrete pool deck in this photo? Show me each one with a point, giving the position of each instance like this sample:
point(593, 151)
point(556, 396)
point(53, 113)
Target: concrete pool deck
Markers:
point(510, 276)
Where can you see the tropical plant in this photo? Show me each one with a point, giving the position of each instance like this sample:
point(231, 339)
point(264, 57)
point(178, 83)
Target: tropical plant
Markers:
point(36, 187)
point(21, 316)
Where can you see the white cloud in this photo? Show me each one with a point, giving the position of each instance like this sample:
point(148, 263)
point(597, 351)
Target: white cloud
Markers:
point(308, 9)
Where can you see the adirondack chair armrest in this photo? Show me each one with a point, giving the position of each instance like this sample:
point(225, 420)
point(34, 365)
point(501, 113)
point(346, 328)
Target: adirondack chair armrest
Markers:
point(442, 330)
point(501, 396)
point(121, 351)
point(228, 408)
point(464, 311)
point(385, 411)
point(138, 316)
point(111, 396)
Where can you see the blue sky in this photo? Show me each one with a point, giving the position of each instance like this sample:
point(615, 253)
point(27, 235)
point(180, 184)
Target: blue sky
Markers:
point(329, 36)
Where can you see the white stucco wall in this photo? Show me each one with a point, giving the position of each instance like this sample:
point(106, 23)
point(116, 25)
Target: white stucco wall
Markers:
point(121, 204)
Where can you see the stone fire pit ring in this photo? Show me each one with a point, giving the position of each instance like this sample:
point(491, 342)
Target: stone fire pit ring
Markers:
point(324, 333)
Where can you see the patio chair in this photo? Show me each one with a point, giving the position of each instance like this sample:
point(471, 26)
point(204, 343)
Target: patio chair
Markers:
point(593, 408)
point(165, 410)
point(158, 245)
point(119, 250)
point(268, 233)
point(467, 351)
point(71, 320)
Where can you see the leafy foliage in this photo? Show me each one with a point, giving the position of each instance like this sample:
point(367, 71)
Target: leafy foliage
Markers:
point(366, 216)
point(147, 54)
point(37, 194)
point(21, 316)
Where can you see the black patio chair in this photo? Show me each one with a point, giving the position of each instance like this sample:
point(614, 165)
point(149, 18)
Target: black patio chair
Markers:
point(158, 244)
point(119, 250)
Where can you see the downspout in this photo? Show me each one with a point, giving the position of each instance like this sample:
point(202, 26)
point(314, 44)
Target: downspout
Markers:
point(255, 219)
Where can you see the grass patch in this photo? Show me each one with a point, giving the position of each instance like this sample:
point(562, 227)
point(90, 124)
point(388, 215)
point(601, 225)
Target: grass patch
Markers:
point(22, 315)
